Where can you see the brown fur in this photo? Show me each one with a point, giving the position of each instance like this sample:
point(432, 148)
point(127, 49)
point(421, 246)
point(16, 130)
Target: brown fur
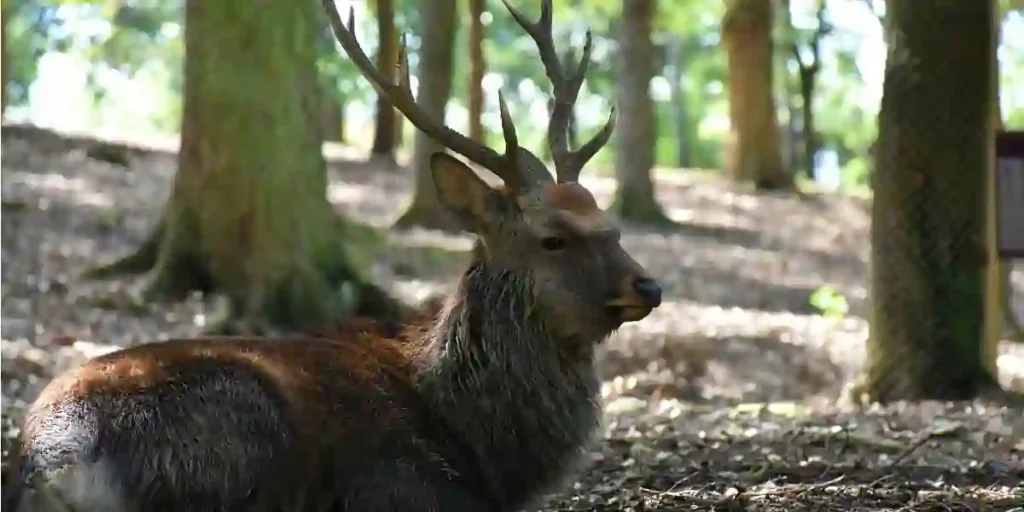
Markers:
point(571, 197)
point(363, 400)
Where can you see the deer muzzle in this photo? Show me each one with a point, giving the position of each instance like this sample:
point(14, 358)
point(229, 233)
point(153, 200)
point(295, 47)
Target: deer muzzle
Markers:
point(638, 296)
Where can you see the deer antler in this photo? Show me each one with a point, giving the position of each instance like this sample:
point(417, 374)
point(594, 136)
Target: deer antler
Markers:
point(399, 94)
point(568, 164)
point(517, 167)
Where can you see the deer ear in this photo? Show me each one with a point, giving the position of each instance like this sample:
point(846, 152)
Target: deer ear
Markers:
point(462, 191)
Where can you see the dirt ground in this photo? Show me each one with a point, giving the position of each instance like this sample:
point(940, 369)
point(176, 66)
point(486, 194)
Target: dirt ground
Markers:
point(724, 399)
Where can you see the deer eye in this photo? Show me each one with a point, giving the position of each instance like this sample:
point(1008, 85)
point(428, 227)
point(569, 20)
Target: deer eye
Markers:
point(552, 243)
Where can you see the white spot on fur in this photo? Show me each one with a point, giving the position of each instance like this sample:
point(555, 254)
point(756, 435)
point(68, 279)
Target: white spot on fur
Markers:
point(75, 487)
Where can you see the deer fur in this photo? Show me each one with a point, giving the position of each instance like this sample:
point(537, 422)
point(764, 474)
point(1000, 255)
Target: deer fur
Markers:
point(485, 408)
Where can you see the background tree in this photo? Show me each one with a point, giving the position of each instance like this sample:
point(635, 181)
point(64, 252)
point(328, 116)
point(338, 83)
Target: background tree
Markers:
point(928, 214)
point(477, 68)
point(332, 113)
point(634, 197)
point(5, 61)
point(248, 214)
point(808, 59)
point(676, 50)
point(332, 99)
point(753, 145)
point(437, 19)
point(385, 132)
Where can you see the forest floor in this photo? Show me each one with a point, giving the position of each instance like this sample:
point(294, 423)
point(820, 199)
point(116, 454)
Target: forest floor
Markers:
point(726, 398)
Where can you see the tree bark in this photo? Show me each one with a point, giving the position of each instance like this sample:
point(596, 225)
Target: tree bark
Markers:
point(477, 68)
point(435, 83)
point(753, 151)
point(928, 216)
point(248, 214)
point(387, 59)
point(635, 134)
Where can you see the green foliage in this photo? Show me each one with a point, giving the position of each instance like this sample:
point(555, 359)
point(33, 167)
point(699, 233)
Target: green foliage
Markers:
point(142, 39)
point(32, 29)
point(830, 302)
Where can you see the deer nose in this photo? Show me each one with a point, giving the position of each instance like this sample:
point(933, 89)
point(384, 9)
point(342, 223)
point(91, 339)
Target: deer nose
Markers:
point(648, 290)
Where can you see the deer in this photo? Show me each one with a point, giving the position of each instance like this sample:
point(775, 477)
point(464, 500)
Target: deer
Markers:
point(490, 406)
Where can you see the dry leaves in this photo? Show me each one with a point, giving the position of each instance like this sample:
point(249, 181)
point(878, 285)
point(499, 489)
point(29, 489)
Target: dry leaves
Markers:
point(686, 425)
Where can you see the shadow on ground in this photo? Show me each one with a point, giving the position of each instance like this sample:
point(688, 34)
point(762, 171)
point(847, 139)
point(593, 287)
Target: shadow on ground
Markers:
point(736, 328)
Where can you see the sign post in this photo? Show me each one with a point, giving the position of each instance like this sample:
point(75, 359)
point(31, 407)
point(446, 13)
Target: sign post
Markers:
point(1009, 194)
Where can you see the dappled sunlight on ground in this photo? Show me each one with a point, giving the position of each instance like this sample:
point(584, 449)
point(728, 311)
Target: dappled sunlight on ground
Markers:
point(736, 327)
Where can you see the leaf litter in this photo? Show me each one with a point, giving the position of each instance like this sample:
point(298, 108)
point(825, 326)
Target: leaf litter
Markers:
point(726, 398)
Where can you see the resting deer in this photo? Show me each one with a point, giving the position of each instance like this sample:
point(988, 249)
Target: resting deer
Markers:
point(486, 409)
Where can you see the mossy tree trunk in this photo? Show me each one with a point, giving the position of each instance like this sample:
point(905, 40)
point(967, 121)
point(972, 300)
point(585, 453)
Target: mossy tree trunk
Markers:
point(477, 68)
point(928, 217)
point(248, 214)
point(384, 134)
point(635, 134)
point(437, 18)
point(753, 153)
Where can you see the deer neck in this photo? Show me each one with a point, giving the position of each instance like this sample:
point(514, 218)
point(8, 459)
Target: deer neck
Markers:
point(525, 408)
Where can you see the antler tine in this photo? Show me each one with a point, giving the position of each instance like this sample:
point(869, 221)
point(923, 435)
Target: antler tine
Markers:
point(400, 95)
point(508, 130)
point(568, 163)
point(580, 157)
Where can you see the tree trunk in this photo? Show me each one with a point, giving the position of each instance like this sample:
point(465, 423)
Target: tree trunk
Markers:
point(387, 59)
point(331, 112)
point(753, 150)
point(928, 216)
point(435, 82)
point(808, 77)
point(635, 134)
point(248, 214)
point(5, 61)
point(783, 86)
point(476, 70)
point(998, 305)
point(680, 110)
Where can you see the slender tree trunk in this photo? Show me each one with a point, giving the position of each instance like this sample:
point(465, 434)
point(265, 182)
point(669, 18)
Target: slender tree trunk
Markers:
point(783, 87)
point(808, 73)
point(810, 135)
point(477, 68)
point(248, 214)
point(435, 82)
point(753, 150)
point(928, 216)
point(680, 109)
point(998, 308)
point(332, 109)
point(387, 58)
point(5, 61)
point(635, 135)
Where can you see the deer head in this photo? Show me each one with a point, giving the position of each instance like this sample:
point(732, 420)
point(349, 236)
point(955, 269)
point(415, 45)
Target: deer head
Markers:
point(551, 229)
